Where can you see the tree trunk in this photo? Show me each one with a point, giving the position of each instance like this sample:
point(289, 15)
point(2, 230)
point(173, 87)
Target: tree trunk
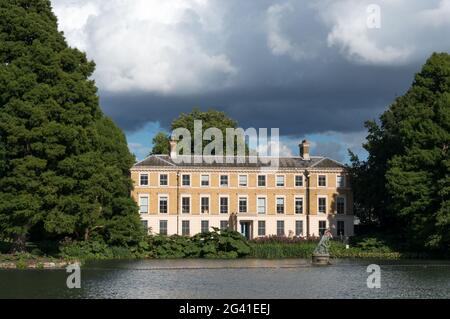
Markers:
point(86, 234)
point(19, 245)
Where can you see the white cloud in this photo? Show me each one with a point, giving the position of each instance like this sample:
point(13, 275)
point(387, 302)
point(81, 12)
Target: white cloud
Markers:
point(73, 19)
point(349, 32)
point(272, 148)
point(199, 46)
point(410, 30)
point(149, 45)
point(334, 145)
point(436, 17)
point(277, 41)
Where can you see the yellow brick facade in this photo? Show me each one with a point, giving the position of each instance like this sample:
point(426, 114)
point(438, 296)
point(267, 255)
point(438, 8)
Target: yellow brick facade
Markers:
point(273, 221)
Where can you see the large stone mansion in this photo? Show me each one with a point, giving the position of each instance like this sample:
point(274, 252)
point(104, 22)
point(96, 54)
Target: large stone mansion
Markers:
point(303, 196)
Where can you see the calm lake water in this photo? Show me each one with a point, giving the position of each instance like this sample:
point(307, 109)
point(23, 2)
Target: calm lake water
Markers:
point(250, 278)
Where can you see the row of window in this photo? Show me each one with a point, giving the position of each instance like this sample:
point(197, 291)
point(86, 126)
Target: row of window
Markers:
point(242, 205)
point(204, 227)
point(243, 180)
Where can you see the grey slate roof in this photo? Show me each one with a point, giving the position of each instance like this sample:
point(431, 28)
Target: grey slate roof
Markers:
point(246, 162)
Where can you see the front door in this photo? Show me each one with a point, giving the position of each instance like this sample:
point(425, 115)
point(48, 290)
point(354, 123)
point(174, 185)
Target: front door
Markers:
point(246, 230)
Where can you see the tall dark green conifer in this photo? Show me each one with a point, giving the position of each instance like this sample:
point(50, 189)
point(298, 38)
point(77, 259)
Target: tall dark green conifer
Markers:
point(64, 166)
point(408, 169)
point(418, 176)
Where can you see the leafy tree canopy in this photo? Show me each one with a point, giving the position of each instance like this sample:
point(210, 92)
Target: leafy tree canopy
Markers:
point(160, 144)
point(210, 119)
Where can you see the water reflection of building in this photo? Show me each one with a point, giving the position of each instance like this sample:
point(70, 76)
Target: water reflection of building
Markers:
point(303, 196)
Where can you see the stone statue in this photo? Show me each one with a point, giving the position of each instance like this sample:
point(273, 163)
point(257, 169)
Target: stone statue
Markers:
point(232, 222)
point(324, 244)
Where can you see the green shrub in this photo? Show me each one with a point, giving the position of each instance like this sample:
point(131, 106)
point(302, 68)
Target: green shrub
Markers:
point(36, 252)
point(84, 250)
point(372, 244)
point(121, 253)
point(21, 264)
point(215, 244)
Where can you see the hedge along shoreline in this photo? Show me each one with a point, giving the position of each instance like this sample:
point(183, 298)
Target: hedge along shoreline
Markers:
point(212, 245)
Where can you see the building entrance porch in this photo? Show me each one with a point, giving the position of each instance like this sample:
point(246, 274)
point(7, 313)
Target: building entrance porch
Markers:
point(247, 229)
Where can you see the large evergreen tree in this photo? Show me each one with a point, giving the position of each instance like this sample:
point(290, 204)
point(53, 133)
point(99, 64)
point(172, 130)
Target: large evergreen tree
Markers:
point(64, 166)
point(409, 161)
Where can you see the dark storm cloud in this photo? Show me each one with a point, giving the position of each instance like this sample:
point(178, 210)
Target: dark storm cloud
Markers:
point(339, 97)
